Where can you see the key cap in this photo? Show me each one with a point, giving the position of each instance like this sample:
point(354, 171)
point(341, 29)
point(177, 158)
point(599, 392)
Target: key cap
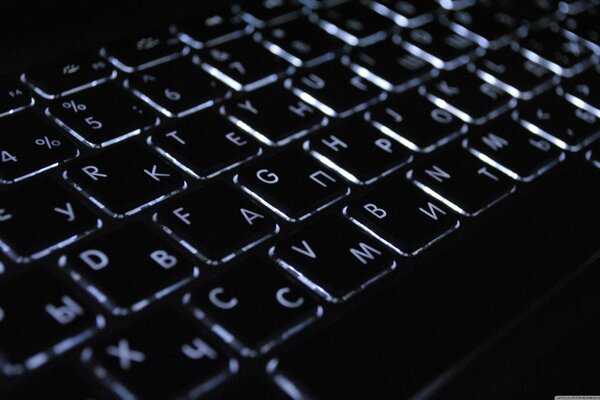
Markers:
point(593, 155)
point(455, 4)
point(125, 180)
point(143, 51)
point(559, 122)
point(216, 223)
point(204, 145)
point(468, 97)
point(38, 217)
point(40, 320)
point(553, 51)
point(358, 151)
point(461, 182)
point(243, 64)
point(265, 13)
point(533, 13)
point(320, 4)
point(438, 45)
point(334, 259)
point(177, 88)
point(334, 89)
point(292, 184)
point(390, 66)
point(274, 115)
point(30, 145)
point(69, 75)
point(513, 73)
point(354, 23)
point(584, 28)
point(573, 7)
point(13, 97)
point(253, 308)
point(402, 217)
point(107, 265)
point(250, 388)
point(102, 116)
point(507, 146)
point(165, 345)
point(415, 122)
point(408, 14)
point(583, 91)
point(301, 43)
point(211, 30)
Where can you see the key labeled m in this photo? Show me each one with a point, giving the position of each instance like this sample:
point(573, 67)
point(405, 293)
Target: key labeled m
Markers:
point(365, 254)
point(494, 141)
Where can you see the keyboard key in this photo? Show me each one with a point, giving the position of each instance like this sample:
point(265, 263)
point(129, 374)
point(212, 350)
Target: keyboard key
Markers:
point(354, 23)
point(253, 307)
point(211, 30)
point(583, 91)
point(507, 146)
point(461, 182)
point(125, 180)
point(40, 319)
point(408, 14)
point(415, 122)
point(402, 217)
point(13, 97)
point(390, 66)
point(320, 4)
point(219, 147)
point(274, 115)
point(107, 265)
point(292, 184)
point(335, 90)
point(455, 4)
point(536, 13)
point(163, 355)
point(253, 387)
point(102, 116)
point(584, 28)
point(468, 97)
point(265, 13)
point(301, 43)
point(243, 64)
point(177, 88)
point(216, 223)
point(358, 151)
point(553, 51)
point(69, 75)
point(559, 122)
point(438, 45)
point(515, 74)
point(30, 145)
point(39, 216)
point(333, 258)
point(593, 155)
point(144, 51)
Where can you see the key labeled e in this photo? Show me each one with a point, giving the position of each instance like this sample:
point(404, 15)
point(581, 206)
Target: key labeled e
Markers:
point(225, 304)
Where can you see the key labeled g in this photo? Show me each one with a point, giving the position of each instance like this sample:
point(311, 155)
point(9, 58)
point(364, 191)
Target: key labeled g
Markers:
point(213, 296)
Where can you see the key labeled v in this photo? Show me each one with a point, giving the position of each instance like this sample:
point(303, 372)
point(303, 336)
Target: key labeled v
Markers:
point(305, 250)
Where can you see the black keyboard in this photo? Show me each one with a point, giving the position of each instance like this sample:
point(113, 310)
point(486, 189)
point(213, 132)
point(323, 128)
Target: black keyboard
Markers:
point(186, 213)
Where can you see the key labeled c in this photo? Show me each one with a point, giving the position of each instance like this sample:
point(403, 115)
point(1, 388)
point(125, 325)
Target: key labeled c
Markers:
point(213, 296)
point(280, 296)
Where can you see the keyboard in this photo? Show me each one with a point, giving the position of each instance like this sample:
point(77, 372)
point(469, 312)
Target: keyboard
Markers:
point(214, 207)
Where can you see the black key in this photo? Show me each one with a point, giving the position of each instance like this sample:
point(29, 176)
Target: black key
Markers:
point(333, 258)
point(292, 184)
point(106, 266)
point(320, 4)
point(252, 388)
point(573, 7)
point(462, 182)
point(216, 223)
point(30, 145)
point(69, 75)
point(515, 74)
point(559, 122)
point(125, 180)
point(102, 116)
point(553, 51)
point(468, 97)
point(506, 145)
point(584, 28)
point(301, 43)
point(593, 155)
point(265, 13)
point(438, 45)
point(253, 307)
point(211, 30)
point(143, 51)
point(40, 319)
point(455, 4)
point(205, 145)
point(335, 90)
point(535, 13)
point(39, 217)
point(354, 23)
point(163, 355)
point(177, 88)
point(584, 91)
point(409, 14)
point(274, 115)
point(243, 64)
point(13, 97)
point(358, 151)
point(416, 123)
point(390, 66)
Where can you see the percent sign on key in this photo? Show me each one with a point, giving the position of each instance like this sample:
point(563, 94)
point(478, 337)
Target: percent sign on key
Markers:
point(71, 105)
point(45, 141)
